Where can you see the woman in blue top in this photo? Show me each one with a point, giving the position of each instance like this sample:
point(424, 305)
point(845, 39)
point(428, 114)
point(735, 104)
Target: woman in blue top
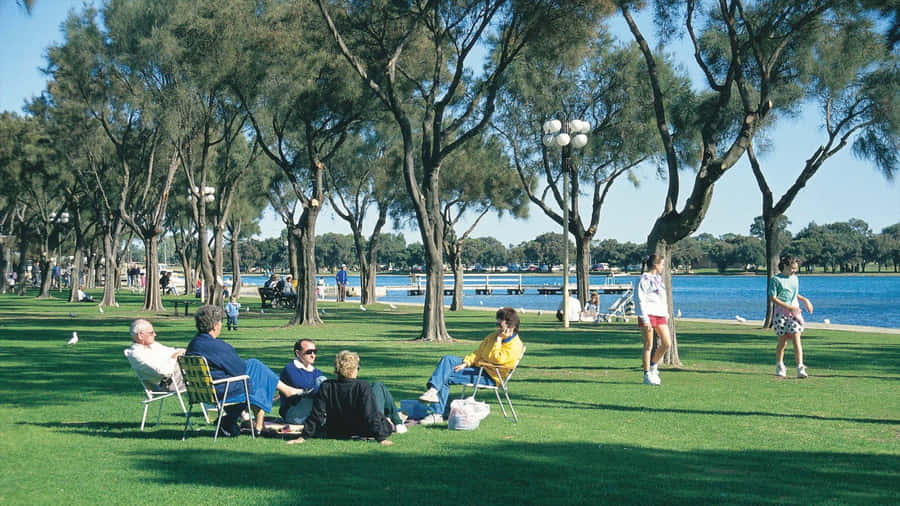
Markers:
point(784, 292)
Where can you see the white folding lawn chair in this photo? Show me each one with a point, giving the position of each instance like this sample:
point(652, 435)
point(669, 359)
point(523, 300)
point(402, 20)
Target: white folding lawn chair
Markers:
point(502, 385)
point(155, 393)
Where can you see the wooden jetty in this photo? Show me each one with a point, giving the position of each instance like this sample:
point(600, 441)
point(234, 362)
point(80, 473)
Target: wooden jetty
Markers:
point(609, 286)
point(511, 284)
point(482, 284)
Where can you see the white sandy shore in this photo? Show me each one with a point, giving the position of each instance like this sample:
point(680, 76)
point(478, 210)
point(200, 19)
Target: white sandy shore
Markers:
point(808, 325)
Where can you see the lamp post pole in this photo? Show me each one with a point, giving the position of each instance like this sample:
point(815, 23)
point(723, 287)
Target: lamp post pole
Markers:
point(567, 155)
point(566, 134)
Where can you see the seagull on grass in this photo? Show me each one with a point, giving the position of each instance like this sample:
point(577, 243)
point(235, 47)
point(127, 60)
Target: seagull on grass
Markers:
point(74, 338)
point(393, 306)
point(827, 321)
point(740, 318)
point(362, 308)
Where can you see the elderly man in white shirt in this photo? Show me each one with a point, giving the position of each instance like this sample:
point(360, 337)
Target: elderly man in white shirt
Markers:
point(155, 363)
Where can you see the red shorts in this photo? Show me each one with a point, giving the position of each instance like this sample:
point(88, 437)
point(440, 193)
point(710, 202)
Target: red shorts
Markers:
point(655, 321)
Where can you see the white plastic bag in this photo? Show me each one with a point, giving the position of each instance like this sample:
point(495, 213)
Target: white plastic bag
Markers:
point(467, 414)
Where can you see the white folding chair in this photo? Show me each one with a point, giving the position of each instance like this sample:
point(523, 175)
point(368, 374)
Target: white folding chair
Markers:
point(201, 388)
point(154, 393)
point(502, 385)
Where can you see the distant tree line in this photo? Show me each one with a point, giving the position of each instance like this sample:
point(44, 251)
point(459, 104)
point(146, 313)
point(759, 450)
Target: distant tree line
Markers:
point(834, 247)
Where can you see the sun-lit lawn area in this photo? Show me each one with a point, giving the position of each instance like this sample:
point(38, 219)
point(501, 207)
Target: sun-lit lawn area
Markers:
point(722, 429)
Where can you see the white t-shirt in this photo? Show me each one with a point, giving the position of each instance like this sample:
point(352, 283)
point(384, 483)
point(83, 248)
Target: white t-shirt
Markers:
point(651, 296)
point(574, 312)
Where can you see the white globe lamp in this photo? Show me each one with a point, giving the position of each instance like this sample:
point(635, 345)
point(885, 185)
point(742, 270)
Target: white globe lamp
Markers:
point(579, 141)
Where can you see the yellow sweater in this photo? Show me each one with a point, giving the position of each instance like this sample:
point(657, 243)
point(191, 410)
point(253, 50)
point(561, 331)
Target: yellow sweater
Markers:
point(490, 354)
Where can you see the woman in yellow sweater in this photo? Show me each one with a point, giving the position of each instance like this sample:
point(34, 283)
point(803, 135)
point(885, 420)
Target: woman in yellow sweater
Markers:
point(501, 348)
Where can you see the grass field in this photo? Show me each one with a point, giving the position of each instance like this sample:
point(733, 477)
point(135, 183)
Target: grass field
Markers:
point(722, 429)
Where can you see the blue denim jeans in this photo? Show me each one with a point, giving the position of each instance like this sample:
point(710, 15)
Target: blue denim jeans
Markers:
point(444, 376)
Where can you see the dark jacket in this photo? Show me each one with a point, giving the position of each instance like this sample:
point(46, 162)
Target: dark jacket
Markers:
point(344, 408)
point(222, 358)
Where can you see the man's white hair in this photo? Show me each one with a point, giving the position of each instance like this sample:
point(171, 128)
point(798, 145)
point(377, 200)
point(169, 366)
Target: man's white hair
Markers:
point(139, 326)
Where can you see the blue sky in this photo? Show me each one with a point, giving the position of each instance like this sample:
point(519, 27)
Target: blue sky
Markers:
point(844, 188)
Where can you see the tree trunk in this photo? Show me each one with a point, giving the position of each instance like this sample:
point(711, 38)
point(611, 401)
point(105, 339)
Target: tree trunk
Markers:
point(23, 254)
point(582, 267)
point(215, 285)
point(45, 273)
point(236, 264)
point(773, 251)
point(190, 275)
point(293, 256)
point(152, 295)
point(109, 268)
point(454, 256)
point(20, 268)
point(75, 276)
point(205, 266)
point(77, 260)
point(306, 312)
point(366, 267)
point(184, 255)
point(6, 263)
point(88, 269)
point(433, 326)
point(367, 279)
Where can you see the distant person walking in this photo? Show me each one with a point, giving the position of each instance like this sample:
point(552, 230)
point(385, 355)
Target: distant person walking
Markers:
point(341, 278)
point(652, 309)
point(784, 292)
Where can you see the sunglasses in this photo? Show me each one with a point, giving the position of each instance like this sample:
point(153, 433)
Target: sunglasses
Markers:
point(310, 352)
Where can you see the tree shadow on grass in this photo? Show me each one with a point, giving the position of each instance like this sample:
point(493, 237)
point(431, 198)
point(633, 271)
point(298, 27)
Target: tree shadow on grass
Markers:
point(883, 357)
point(327, 472)
point(569, 404)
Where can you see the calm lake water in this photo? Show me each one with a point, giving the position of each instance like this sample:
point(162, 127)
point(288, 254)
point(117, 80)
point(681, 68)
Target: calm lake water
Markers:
point(845, 300)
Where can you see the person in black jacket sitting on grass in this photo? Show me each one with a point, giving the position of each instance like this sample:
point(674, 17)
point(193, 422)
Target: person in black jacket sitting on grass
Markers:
point(346, 407)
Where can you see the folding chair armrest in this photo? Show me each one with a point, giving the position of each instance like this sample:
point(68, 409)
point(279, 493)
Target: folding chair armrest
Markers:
point(231, 379)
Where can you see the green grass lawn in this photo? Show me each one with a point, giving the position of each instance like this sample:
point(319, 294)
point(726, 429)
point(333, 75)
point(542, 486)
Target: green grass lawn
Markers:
point(722, 429)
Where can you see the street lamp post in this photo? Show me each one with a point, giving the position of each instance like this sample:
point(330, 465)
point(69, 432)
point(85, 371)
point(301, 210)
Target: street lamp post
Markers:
point(568, 134)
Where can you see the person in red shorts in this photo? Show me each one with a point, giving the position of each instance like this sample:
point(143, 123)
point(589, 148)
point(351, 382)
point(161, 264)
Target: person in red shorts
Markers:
point(652, 309)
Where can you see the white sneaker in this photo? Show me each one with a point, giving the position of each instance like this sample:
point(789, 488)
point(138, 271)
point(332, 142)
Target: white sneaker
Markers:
point(780, 370)
point(400, 429)
point(651, 379)
point(654, 371)
point(432, 419)
point(801, 372)
point(430, 396)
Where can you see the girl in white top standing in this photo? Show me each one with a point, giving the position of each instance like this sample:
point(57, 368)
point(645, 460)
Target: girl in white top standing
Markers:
point(784, 292)
point(652, 309)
